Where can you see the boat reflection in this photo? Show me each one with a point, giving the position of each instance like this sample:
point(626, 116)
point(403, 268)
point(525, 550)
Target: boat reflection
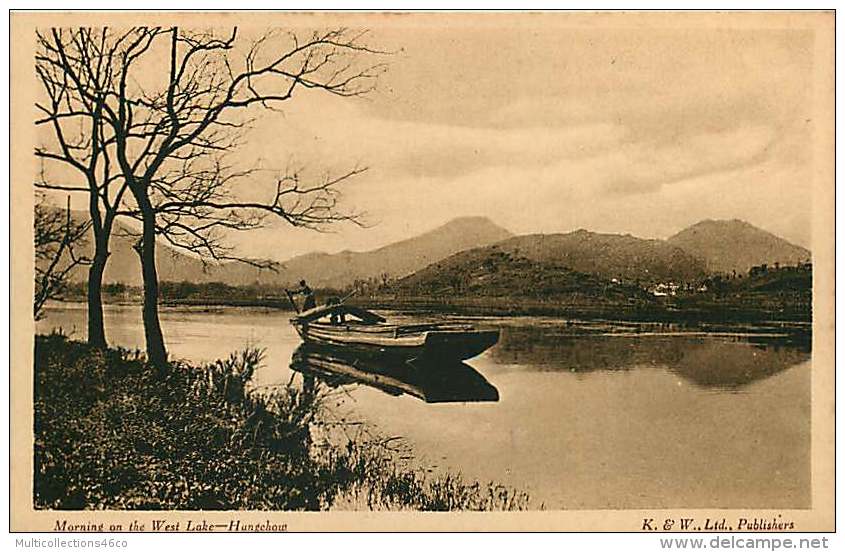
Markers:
point(430, 381)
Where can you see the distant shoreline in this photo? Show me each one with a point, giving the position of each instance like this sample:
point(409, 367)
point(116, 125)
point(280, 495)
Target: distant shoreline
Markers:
point(637, 313)
point(725, 311)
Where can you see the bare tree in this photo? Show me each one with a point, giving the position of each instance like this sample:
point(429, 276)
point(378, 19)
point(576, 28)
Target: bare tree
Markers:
point(197, 206)
point(170, 130)
point(57, 241)
point(78, 146)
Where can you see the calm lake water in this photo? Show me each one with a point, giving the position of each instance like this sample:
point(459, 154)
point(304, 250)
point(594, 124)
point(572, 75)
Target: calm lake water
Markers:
point(588, 416)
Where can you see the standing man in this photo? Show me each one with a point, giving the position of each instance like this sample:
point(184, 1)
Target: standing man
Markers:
point(309, 302)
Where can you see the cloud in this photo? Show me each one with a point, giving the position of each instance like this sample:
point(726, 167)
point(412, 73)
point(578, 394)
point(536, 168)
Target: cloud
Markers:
point(720, 175)
point(342, 133)
point(674, 130)
point(645, 167)
point(627, 158)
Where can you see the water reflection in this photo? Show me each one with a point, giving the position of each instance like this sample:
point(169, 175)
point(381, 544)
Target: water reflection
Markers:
point(722, 362)
point(432, 382)
point(582, 422)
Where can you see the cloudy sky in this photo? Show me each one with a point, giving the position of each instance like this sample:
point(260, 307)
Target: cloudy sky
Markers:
point(555, 129)
point(552, 128)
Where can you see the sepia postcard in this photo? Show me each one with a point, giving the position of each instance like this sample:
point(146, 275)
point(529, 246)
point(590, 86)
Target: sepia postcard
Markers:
point(440, 271)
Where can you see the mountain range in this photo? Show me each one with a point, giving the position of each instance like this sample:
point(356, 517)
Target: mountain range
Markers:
point(322, 270)
point(704, 248)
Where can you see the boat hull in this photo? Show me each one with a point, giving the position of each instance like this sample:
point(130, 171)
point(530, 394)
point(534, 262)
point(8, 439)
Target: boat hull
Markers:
point(457, 344)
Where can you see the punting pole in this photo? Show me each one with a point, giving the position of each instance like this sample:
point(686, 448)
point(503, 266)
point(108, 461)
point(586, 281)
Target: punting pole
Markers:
point(292, 302)
point(348, 295)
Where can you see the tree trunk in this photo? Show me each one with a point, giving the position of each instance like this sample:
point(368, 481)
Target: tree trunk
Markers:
point(96, 327)
point(156, 351)
point(102, 232)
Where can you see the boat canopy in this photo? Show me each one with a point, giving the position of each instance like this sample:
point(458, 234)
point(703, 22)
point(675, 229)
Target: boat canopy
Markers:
point(326, 310)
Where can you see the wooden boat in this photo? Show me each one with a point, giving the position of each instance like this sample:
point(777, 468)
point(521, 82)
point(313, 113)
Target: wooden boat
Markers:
point(358, 329)
point(432, 381)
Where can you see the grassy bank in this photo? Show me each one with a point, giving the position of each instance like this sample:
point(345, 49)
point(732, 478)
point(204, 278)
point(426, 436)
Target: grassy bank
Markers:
point(112, 432)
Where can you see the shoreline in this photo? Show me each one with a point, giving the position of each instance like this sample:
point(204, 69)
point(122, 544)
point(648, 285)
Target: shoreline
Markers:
point(258, 451)
point(667, 312)
point(646, 313)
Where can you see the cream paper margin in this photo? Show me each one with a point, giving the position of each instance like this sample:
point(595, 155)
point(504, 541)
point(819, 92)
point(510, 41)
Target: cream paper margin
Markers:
point(23, 167)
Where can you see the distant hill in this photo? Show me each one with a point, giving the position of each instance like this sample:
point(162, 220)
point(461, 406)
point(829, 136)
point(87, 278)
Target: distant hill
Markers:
point(588, 271)
point(727, 245)
point(394, 260)
point(609, 256)
point(458, 248)
point(320, 269)
point(606, 256)
point(580, 263)
point(496, 272)
point(124, 265)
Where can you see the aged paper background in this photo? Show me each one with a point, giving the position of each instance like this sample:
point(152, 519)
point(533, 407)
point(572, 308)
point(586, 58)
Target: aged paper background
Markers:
point(23, 168)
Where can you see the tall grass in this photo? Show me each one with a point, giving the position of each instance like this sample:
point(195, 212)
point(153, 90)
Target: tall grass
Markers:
point(112, 432)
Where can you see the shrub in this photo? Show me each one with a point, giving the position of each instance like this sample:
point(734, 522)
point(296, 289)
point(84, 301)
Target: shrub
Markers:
point(112, 432)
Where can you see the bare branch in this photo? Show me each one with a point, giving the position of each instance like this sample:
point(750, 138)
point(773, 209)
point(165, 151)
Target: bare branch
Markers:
point(167, 137)
point(57, 239)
